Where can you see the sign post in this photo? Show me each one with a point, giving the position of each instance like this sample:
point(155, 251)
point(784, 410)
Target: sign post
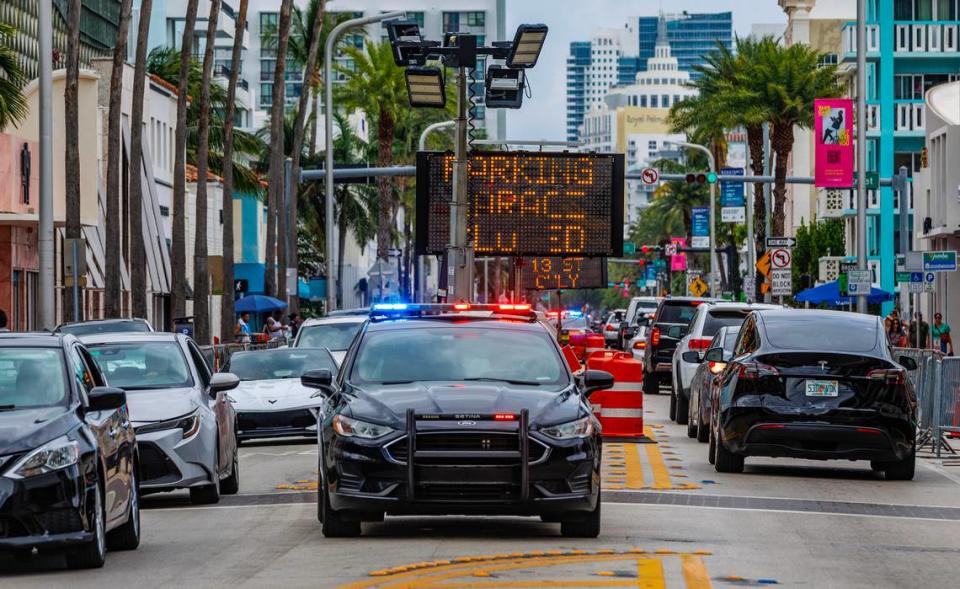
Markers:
point(781, 272)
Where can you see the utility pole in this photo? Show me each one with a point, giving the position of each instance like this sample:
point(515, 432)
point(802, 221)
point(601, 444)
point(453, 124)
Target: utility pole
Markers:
point(861, 144)
point(47, 318)
point(459, 254)
point(338, 30)
point(714, 271)
point(767, 200)
point(751, 237)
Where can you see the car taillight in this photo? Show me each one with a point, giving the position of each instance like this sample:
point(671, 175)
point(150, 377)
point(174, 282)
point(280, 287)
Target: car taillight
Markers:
point(893, 376)
point(700, 343)
point(610, 327)
point(717, 367)
point(640, 345)
point(655, 337)
point(757, 370)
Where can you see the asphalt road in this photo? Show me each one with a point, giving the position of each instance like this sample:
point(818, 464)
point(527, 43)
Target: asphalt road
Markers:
point(669, 521)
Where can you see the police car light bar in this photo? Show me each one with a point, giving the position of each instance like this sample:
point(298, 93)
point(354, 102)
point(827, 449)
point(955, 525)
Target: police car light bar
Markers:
point(417, 310)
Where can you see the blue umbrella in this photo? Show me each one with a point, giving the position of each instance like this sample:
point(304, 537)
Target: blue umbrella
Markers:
point(829, 293)
point(258, 304)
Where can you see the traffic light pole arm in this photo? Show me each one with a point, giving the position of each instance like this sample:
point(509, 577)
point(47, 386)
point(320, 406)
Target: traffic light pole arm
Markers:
point(747, 179)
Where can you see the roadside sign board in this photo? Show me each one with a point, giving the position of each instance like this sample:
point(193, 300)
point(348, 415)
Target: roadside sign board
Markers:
point(781, 258)
point(555, 273)
point(872, 181)
point(700, 232)
point(912, 262)
point(903, 277)
point(731, 193)
point(629, 247)
point(698, 287)
point(929, 281)
point(750, 287)
point(763, 264)
point(650, 176)
point(858, 282)
point(940, 261)
point(773, 242)
point(781, 282)
point(733, 215)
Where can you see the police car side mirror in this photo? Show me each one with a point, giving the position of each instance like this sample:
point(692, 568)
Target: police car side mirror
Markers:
point(320, 378)
point(596, 380)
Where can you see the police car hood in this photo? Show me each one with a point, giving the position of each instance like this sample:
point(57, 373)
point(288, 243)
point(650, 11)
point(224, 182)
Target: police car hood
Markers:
point(388, 404)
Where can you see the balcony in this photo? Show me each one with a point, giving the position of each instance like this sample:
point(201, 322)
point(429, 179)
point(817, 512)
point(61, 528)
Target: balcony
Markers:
point(923, 39)
point(850, 40)
point(909, 117)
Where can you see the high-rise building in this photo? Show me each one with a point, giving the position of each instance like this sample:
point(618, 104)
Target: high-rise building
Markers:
point(691, 36)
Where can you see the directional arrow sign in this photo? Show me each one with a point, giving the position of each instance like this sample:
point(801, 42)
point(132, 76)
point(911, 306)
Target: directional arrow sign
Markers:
point(781, 242)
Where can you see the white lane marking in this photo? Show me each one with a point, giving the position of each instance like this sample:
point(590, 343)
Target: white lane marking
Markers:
point(273, 454)
point(940, 470)
point(926, 519)
point(202, 507)
point(806, 499)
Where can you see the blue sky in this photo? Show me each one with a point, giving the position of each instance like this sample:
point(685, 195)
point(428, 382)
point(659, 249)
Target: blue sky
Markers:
point(544, 116)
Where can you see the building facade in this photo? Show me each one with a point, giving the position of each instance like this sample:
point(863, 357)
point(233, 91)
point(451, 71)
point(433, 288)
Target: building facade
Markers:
point(691, 36)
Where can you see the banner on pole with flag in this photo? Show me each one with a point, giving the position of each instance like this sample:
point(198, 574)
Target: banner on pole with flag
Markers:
point(833, 121)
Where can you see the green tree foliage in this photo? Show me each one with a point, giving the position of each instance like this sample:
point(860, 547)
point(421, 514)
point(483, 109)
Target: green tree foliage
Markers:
point(13, 106)
point(814, 241)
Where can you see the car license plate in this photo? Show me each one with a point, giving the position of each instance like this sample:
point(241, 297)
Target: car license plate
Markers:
point(822, 388)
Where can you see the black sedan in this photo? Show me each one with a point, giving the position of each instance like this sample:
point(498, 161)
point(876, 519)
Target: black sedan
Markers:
point(68, 456)
point(457, 410)
point(817, 385)
point(705, 380)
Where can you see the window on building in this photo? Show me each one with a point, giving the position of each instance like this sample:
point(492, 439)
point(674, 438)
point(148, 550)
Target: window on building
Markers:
point(664, 101)
point(643, 101)
point(451, 22)
point(828, 59)
point(476, 19)
point(654, 103)
point(266, 94)
point(164, 211)
point(651, 145)
point(268, 68)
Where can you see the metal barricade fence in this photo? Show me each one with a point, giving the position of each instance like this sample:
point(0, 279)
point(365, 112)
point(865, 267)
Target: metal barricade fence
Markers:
point(924, 385)
point(948, 402)
point(217, 356)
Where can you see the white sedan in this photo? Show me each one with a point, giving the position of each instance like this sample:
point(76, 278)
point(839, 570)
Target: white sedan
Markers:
point(270, 401)
point(334, 333)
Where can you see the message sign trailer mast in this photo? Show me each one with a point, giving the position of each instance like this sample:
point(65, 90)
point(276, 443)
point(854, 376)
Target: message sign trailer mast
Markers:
point(459, 253)
point(421, 281)
point(862, 145)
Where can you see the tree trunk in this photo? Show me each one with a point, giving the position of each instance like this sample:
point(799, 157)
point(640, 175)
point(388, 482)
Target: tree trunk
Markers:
point(72, 140)
point(112, 282)
point(275, 177)
point(138, 262)
point(314, 117)
point(755, 142)
point(201, 273)
point(782, 144)
point(178, 287)
point(227, 318)
point(299, 130)
point(384, 159)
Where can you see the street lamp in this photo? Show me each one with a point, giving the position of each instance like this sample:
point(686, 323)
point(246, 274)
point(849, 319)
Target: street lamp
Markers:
point(425, 87)
point(711, 178)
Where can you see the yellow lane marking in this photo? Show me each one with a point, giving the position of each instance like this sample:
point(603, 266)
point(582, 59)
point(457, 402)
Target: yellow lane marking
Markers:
point(462, 572)
point(634, 468)
point(623, 465)
point(694, 572)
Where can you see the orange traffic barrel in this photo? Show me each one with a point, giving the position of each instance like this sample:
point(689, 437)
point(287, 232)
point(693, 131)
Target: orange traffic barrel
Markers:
point(593, 344)
point(619, 408)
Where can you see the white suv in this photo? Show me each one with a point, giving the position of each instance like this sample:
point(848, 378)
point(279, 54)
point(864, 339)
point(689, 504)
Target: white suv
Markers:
point(705, 324)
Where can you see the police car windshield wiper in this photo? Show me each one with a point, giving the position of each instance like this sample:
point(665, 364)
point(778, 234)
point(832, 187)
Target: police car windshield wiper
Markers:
point(7, 407)
point(506, 380)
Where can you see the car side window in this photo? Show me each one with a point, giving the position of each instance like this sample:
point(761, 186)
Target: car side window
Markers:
point(81, 373)
point(747, 340)
point(95, 373)
point(203, 371)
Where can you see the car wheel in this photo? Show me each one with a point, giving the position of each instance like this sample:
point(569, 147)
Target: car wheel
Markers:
point(651, 386)
point(900, 470)
point(702, 431)
point(333, 523)
point(127, 536)
point(683, 407)
point(231, 484)
point(207, 494)
point(585, 527)
point(691, 426)
point(93, 554)
point(725, 460)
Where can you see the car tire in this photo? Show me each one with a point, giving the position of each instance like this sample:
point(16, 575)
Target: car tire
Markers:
point(231, 484)
point(703, 432)
point(586, 527)
point(93, 554)
point(712, 449)
point(725, 460)
point(333, 524)
point(127, 536)
point(691, 427)
point(208, 494)
point(901, 470)
point(683, 408)
point(651, 385)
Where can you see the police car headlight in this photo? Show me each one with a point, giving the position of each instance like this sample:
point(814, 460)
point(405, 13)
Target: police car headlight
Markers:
point(581, 428)
point(354, 428)
point(55, 455)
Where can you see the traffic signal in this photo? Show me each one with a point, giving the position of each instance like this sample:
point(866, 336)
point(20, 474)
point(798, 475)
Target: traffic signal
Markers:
point(646, 249)
point(642, 263)
point(708, 178)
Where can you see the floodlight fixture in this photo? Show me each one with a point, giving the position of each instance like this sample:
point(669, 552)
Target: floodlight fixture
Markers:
point(504, 87)
point(406, 42)
point(425, 87)
point(527, 45)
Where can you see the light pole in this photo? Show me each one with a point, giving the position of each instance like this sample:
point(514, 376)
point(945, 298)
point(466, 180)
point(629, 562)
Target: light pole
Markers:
point(332, 277)
point(45, 213)
point(861, 144)
point(714, 289)
point(422, 146)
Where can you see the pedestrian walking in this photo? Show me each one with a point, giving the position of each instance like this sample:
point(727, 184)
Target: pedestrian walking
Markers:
point(940, 333)
point(241, 331)
point(3, 320)
point(274, 327)
point(919, 332)
point(895, 333)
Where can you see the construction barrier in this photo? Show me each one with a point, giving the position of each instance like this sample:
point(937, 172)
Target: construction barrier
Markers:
point(593, 343)
point(573, 360)
point(619, 408)
point(578, 343)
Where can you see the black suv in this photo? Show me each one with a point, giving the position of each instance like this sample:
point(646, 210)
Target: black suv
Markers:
point(457, 409)
point(669, 325)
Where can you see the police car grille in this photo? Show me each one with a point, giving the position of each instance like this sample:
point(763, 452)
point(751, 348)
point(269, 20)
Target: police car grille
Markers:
point(464, 444)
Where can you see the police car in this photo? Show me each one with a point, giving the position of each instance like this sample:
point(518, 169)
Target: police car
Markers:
point(457, 409)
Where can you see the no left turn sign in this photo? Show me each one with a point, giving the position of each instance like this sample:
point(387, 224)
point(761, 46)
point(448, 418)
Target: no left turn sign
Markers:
point(781, 258)
point(649, 176)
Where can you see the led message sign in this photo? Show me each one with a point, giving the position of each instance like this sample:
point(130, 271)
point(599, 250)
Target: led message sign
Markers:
point(553, 273)
point(526, 203)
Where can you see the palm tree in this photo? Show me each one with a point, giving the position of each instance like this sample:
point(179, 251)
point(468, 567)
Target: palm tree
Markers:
point(13, 106)
point(675, 200)
point(275, 177)
point(787, 80)
point(201, 273)
point(112, 284)
point(71, 158)
point(310, 68)
point(178, 294)
point(226, 305)
point(138, 263)
point(375, 68)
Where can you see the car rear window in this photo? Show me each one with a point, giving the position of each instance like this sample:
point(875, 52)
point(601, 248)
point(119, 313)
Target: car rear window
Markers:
point(799, 332)
point(678, 312)
point(336, 337)
point(727, 318)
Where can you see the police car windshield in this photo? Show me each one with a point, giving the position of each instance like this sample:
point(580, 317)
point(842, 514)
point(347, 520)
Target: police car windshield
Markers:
point(457, 353)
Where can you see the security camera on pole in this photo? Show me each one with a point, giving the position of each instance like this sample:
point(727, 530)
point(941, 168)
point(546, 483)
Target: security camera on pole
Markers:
point(504, 89)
